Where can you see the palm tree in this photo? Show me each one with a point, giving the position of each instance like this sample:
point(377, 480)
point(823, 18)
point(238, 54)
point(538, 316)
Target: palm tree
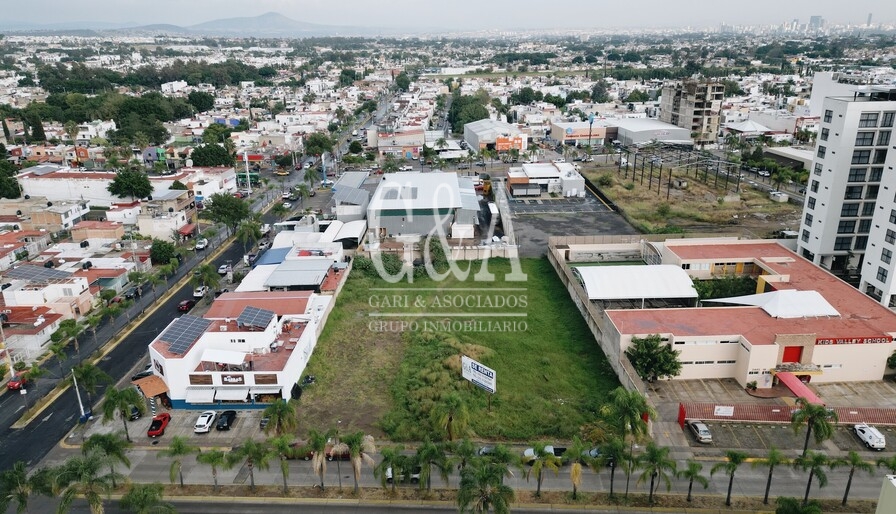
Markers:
point(279, 211)
point(772, 459)
point(311, 176)
point(16, 486)
point(462, 452)
point(112, 446)
point(626, 410)
point(693, 473)
point(93, 321)
point(213, 458)
point(58, 350)
point(146, 499)
point(282, 417)
point(611, 454)
point(119, 401)
point(81, 476)
point(90, 376)
point(317, 444)
point(206, 275)
point(543, 460)
point(441, 143)
point(451, 415)
point(855, 462)
point(657, 464)
point(733, 460)
point(576, 454)
point(254, 454)
point(814, 463)
point(360, 447)
point(282, 444)
point(430, 455)
point(482, 489)
point(304, 193)
point(179, 447)
point(392, 459)
point(248, 231)
point(817, 418)
point(887, 462)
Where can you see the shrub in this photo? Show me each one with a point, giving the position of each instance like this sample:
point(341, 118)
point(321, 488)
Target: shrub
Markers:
point(605, 180)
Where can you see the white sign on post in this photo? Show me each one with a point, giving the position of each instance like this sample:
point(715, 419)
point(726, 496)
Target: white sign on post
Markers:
point(481, 376)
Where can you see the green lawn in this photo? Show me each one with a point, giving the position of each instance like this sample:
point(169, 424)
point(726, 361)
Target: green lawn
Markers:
point(551, 375)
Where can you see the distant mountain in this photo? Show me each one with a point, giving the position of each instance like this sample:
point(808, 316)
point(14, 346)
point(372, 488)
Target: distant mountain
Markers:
point(268, 23)
point(23, 26)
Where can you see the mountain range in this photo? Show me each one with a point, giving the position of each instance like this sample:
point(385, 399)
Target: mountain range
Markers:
point(268, 25)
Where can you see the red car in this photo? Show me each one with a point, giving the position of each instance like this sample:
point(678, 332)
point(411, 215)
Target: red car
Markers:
point(17, 382)
point(159, 422)
point(186, 305)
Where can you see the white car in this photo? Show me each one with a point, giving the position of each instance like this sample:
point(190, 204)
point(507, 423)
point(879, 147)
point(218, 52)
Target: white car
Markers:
point(201, 244)
point(287, 205)
point(406, 168)
point(224, 269)
point(286, 194)
point(871, 436)
point(204, 422)
point(200, 292)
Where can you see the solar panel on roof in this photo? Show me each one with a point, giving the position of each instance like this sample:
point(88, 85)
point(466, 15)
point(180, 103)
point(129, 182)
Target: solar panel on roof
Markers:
point(184, 332)
point(36, 273)
point(255, 317)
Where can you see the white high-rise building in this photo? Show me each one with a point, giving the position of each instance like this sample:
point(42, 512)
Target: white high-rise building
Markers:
point(849, 215)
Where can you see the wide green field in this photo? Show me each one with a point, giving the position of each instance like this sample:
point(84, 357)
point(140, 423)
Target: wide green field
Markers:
point(390, 352)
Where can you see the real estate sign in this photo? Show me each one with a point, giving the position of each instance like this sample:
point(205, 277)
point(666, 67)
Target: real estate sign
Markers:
point(481, 376)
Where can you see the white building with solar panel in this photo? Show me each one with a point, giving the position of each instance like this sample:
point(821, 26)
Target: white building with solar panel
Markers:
point(244, 361)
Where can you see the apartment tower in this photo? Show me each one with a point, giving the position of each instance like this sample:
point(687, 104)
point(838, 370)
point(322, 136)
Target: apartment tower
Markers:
point(694, 105)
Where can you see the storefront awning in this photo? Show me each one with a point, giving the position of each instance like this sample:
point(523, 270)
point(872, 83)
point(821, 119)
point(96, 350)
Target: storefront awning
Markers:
point(798, 388)
point(265, 390)
point(200, 395)
point(187, 230)
point(151, 386)
point(232, 393)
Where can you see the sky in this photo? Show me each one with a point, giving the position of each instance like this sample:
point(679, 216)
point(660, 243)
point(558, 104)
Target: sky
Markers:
point(459, 14)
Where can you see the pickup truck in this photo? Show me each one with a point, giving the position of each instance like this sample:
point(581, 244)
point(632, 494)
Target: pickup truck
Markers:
point(529, 453)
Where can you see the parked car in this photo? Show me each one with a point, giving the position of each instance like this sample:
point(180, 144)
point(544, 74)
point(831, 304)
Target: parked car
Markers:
point(158, 425)
point(131, 293)
point(204, 422)
point(17, 382)
point(219, 292)
point(226, 420)
point(529, 453)
point(134, 414)
point(480, 164)
point(224, 269)
point(147, 371)
point(335, 456)
point(287, 205)
point(485, 451)
point(406, 168)
point(201, 244)
point(186, 305)
point(701, 431)
point(285, 194)
point(870, 436)
point(200, 292)
point(413, 476)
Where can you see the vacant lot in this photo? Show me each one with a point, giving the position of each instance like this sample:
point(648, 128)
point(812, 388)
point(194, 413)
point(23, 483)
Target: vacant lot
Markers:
point(390, 352)
point(697, 208)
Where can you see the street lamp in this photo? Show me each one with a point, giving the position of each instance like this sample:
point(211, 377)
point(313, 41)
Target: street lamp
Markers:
point(590, 123)
point(338, 457)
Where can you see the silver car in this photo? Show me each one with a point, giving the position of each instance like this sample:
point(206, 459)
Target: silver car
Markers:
point(701, 431)
point(204, 422)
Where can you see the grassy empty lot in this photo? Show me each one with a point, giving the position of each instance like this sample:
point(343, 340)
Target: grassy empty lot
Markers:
point(377, 375)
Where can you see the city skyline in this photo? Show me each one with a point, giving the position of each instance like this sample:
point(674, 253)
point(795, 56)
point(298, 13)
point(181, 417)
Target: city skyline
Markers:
point(460, 15)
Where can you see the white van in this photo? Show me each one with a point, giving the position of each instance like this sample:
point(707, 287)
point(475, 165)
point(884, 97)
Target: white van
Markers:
point(871, 436)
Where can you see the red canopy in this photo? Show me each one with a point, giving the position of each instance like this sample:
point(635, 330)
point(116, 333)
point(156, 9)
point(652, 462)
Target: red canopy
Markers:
point(187, 229)
point(798, 388)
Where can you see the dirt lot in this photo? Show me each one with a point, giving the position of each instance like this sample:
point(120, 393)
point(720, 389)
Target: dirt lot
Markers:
point(653, 206)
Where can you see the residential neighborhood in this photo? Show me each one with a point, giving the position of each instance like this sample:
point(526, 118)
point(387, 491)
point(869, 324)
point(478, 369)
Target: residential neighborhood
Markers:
point(673, 246)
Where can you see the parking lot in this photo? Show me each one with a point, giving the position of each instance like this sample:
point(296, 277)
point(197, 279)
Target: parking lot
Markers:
point(523, 206)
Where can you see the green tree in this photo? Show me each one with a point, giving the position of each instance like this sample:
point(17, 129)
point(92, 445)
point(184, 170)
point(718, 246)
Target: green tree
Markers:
point(482, 489)
point(772, 459)
point(542, 460)
point(599, 92)
point(282, 417)
point(16, 487)
point(37, 128)
point(118, 401)
point(83, 477)
point(177, 185)
point(248, 232)
point(201, 101)
point(431, 455)
point(146, 499)
point(657, 466)
point(402, 81)
point(227, 210)
point(733, 460)
point(162, 252)
point(212, 154)
point(693, 473)
point(888, 463)
point(814, 463)
point(318, 144)
point(215, 459)
point(612, 453)
point(626, 411)
point(113, 447)
point(282, 446)
point(216, 134)
point(653, 359)
point(57, 348)
point(855, 462)
point(178, 448)
point(130, 183)
point(355, 147)
point(818, 419)
point(451, 415)
point(462, 453)
point(89, 377)
point(392, 459)
point(205, 275)
point(254, 454)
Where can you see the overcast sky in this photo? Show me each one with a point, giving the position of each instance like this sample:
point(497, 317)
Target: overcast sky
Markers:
point(459, 14)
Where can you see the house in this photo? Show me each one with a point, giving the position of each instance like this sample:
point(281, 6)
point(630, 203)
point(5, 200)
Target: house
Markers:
point(39, 286)
point(84, 230)
point(27, 332)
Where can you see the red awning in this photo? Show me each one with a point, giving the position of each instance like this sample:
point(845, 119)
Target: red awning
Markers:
point(798, 388)
point(187, 230)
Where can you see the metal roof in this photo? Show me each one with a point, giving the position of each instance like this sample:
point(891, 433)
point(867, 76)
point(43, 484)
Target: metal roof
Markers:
point(636, 282)
point(786, 303)
point(351, 195)
point(353, 179)
point(183, 332)
point(352, 230)
point(299, 272)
